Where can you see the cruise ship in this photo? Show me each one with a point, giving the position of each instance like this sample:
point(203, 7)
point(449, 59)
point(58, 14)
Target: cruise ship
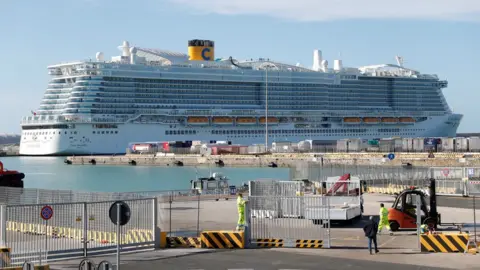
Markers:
point(99, 107)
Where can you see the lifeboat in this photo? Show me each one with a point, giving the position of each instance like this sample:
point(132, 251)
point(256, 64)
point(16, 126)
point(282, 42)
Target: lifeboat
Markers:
point(11, 178)
point(271, 120)
point(371, 120)
point(246, 120)
point(222, 120)
point(406, 120)
point(351, 120)
point(389, 120)
point(198, 120)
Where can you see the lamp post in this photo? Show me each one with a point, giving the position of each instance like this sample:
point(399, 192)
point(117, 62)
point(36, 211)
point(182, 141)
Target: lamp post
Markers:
point(266, 108)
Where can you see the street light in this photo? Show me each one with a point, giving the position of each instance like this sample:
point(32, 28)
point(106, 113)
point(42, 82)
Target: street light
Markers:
point(266, 108)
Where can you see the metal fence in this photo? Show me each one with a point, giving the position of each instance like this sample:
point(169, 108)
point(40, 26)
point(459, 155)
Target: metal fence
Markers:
point(75, 230)
point(15, 196)
point(186, 214)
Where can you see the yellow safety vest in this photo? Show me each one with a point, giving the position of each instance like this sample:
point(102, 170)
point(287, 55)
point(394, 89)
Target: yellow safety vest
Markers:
point(240, 204)
point(383, 213)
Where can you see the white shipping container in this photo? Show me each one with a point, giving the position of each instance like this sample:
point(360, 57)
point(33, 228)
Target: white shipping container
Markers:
point(141, 147)
point(406, 145)
point(474, 144)
point(342, 145)
point(461, 144)
point(305, 145)
point(355, 145)
point(448, 144)
point(418, 145)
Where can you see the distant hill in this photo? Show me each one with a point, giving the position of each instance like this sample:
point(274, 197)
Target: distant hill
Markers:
point(9, 138)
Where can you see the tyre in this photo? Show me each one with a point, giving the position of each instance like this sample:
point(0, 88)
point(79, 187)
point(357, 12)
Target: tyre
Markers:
point(394, 226)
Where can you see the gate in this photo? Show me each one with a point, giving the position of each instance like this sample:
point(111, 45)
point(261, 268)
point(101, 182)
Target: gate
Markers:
point(75, 230)
point(283, 216)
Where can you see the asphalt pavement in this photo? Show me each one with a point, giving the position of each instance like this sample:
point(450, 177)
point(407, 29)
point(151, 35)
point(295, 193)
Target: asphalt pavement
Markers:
point(266, 260)
point(458, 202)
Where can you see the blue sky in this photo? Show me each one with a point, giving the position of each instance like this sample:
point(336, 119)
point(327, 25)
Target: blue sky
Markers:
point(434, 36)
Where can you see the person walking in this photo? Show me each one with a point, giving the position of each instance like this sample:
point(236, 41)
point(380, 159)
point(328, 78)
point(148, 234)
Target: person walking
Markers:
point(370, 230)
point(383, 219)
point(241, 212)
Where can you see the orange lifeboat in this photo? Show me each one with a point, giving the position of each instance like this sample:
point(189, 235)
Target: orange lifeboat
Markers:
point(371, 120)
point(222, 120)
point(389, 120)
point(406, 120)
point(246, 120)
point(352, 120)
point(11, 178)
point(272, 120)
point(198, 120)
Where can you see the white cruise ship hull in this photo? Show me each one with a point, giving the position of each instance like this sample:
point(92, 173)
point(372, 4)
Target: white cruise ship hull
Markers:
point(82, 140)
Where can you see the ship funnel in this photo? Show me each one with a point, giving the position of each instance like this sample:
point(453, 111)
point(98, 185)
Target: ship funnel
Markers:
point(201, 50)
point(337, 65)
point(317, 60)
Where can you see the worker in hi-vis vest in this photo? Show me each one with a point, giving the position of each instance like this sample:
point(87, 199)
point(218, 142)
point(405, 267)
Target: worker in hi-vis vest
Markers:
point(241, 212)
point(383, 219)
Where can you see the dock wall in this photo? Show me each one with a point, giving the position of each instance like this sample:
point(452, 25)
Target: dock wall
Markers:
point(288, 160)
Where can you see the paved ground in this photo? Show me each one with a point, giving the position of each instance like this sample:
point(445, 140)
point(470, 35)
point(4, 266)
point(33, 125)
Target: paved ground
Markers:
point(291, 259)
point(458, 202)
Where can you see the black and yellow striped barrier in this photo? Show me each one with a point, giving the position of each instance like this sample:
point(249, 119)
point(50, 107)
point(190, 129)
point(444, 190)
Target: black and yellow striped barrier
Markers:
point(222, 239)
point(309, 243)
point(183, 242)
point(443, 242)
point(5, 257)
point(272, 242)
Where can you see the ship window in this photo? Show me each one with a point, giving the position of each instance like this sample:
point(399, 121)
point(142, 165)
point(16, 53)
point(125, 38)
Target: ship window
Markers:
point(93, 132)
point(116, 132)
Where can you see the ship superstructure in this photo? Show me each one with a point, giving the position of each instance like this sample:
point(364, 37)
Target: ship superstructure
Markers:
point(99, 107)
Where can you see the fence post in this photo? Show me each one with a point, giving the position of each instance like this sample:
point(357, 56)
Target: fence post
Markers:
point(3, 223)
point(85, 230)
point(246, 232)
point(198, 214)
point(156, 229)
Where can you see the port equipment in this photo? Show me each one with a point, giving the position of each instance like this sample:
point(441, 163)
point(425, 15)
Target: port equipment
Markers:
point(403, 213)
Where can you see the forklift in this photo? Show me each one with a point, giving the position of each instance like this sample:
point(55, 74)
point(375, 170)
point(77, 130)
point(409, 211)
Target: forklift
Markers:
point(403, 214)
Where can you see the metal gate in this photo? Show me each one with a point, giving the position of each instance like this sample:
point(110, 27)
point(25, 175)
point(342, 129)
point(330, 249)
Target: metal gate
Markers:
point(74, 230)
point(286, 217)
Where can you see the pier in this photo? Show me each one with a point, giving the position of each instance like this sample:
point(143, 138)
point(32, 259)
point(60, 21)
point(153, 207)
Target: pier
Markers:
point(287, 160)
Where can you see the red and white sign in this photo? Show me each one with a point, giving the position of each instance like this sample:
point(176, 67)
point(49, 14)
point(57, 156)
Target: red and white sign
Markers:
point(47, 212)
point(446, 171)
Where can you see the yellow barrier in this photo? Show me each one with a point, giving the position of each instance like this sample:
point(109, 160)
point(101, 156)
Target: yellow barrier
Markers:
point(183, 242)
point(443, 242)
point(269, 242)
point(222, 239)
point(309, 243)
point(131, 237)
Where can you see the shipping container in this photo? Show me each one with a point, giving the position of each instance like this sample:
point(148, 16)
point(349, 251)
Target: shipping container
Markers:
point(461, 144)
point(398, 144)
point(256, 149)
point(243, 150)
point(418, 145)
point(305, 145)
point(448, 145)
point(474, 144)
point(342, 145)
point(373, 142)
point(355, 145)
point(386, 145)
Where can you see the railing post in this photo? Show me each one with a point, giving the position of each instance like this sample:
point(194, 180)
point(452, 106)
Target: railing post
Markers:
point(247, 232)
point(85, 230)
point(3, 224)
point(156, 229)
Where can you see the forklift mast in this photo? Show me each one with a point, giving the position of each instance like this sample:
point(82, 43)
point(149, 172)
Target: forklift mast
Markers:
point(433, 199)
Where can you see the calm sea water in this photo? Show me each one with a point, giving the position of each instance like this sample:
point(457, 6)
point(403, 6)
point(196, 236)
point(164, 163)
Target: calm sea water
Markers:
point(52, 173)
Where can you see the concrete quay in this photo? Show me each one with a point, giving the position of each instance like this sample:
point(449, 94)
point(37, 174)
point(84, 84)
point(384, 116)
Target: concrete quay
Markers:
point(288, 160)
